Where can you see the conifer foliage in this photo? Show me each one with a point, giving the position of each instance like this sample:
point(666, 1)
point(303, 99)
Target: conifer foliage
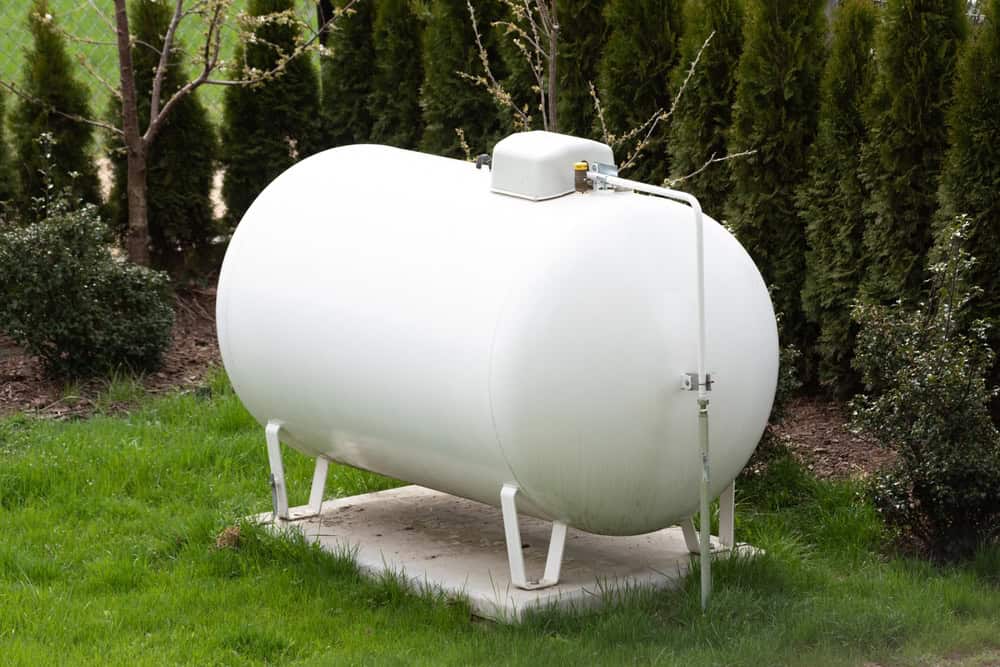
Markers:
point(917, 48)
point(182, 160)
point(970, 181)
point(347, 74)
point(449, 102)
point(703, 114)
point(581, 38)
point(395, 99)
point(832, 199)
point(6, 170)
point(270, 126)
point(775, 114)
point(63, 161)
point(642, 48)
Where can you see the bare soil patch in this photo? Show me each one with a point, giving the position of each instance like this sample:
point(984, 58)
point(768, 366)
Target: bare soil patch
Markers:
point(817, 433)
point(192, 353)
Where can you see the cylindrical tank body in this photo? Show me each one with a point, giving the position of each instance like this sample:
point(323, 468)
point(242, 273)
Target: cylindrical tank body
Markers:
point(397, 316)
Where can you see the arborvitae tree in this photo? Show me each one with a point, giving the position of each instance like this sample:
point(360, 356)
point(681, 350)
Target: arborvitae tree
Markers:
point(395, 98)
point(268, 127)
point(641, 50)
point(65, 162)
point(181, 162)
point(970, 180)
point(347, 74)
point(777, 99)
point(7, 188)
point(704, 113)
point(832, 199)
point(918, 43)
point(449, 101)
point(581, 38)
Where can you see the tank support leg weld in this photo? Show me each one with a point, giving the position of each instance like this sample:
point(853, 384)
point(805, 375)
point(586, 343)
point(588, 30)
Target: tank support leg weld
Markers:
point(279, 490)
point(512, 531)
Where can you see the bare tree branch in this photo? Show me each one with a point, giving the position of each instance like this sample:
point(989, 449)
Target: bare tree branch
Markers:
point(671, 182)
point(161, 67)
point(51, 109)
point(87, 65)
point(489, 82)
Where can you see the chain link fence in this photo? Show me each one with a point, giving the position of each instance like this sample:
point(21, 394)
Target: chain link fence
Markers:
point(91, 44)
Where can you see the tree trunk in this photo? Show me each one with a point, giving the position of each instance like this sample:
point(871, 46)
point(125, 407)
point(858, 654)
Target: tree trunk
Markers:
point(553, 67)
point(137, 238)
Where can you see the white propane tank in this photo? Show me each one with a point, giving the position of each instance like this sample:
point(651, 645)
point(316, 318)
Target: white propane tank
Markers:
point(462, 329)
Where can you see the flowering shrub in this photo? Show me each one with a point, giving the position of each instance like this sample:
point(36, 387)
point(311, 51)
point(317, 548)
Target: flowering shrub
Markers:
point(924, 371)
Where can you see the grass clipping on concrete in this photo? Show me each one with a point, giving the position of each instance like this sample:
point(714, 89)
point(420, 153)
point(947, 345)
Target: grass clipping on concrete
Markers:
point(123, 543)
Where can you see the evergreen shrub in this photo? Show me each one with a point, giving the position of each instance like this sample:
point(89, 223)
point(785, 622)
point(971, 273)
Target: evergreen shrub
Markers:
point(917, 46)
point(65, 160)
point(928, 399)
point(67, 299)
point(970, 181)
point(832, 200)
point(635, 66)
point(450, 102)
point(395, 99)
point(703, 114)
point(777, 100)
point(581, 39)
point(271, 125)
point(347, 72)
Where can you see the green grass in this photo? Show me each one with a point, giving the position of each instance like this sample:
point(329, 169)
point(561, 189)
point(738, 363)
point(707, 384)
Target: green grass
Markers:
point(108, 556)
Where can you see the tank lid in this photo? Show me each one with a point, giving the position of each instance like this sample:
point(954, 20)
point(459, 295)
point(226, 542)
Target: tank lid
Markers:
point(539, 165)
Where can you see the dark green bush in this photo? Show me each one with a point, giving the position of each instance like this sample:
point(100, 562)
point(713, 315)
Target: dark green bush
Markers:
point(703, 114)
point(917, 47)
point(69, 301)
point(395, 99)
point(635, 66)
point(970, 179)
point(928, 399)
point(271, 125)
point(450, 102)
point(581, 39)
point(832, 200)
point(777, 101)
point(347, 72)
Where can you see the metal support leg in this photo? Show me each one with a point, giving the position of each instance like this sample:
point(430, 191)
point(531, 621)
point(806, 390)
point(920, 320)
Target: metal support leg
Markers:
point(279, 490)
point(690, 535)
point(512, 531)
point(727, 514)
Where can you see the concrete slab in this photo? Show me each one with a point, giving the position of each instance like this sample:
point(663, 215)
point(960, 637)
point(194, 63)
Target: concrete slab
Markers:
point(457, 545)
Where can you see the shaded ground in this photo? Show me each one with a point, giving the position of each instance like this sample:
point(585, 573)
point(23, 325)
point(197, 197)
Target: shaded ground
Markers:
point(193, 351)
point(817, 433)
point(815, 430)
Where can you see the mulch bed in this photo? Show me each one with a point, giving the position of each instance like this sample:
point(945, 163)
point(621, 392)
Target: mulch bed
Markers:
point(814, 430)
point(817, 433)
point(193, 352)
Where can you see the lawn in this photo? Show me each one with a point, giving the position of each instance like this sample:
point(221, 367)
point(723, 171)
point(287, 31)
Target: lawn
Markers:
point(109, 556)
